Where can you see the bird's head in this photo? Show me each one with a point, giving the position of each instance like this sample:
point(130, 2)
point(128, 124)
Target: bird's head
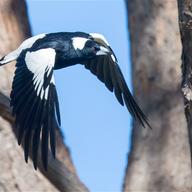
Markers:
point(91, 47)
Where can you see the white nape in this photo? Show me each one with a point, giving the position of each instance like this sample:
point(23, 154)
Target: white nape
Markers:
point(79, 42)
point(100, 38)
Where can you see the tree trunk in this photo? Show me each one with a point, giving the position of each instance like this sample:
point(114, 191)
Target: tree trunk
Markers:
point(185, 23)
point(15, 174)
point(160, 158)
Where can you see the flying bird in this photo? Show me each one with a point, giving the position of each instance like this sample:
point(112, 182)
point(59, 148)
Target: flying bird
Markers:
point(34, 99)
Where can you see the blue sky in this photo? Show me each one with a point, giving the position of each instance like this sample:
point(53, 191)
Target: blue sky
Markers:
point(96, 128)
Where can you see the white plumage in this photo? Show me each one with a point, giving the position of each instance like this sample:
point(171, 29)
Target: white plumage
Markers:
point(79, 42)
point(39, 62)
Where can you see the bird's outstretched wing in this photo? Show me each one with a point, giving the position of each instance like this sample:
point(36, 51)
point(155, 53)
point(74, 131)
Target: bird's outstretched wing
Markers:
point(105, 67)
point(35, 103)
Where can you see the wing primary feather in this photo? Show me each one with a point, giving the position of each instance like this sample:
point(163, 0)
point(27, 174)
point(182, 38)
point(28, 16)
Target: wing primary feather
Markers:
point(56, 102)
point(127, 99)
point(126, 94)
point(132, 106)
point(44, 146)
point(45, 137)
point(139, 112)
point(100, 70)
point(27, 109)
point(117, 89)
point(36, 126)
point(52, 137)
point(22, 90)
point(27, 142)
point(28, 129)
point(52, 124)
point(36, 139)
point(107, 76)
point(93, 67)
point(135, 113)
point(19, 100)
point(36, 135)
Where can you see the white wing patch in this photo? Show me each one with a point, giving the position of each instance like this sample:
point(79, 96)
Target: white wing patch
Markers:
point(79, 42)
point(30, 41)
point(26, 44)
point(39, 62)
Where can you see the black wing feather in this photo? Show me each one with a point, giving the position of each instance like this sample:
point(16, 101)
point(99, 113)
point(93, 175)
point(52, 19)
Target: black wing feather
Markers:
point(37, 131)
point(108, 71)
point(117, 89)
point(36, 115)
point(53, 122)
point(56, 104)
point(107, 75)
point(99, 72)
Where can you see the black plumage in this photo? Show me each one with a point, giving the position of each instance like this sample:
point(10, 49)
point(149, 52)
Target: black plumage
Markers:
point(34, 97)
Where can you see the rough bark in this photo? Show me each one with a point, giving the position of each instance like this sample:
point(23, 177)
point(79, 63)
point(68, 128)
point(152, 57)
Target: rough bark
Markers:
point(160, 158)
point(15, 174)
point(185, 23)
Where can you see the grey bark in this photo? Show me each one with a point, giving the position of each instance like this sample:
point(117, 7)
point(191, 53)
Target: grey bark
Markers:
point(160, 158)
point(15, 174)
point(185, 23)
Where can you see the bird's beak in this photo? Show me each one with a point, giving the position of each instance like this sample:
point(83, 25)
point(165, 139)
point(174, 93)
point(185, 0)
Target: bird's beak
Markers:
point(102, 51)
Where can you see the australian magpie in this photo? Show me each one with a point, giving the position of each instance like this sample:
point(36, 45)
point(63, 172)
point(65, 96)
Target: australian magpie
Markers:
point(34, 97)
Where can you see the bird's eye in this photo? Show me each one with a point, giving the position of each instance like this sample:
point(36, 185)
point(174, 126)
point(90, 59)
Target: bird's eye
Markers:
point(97, 48)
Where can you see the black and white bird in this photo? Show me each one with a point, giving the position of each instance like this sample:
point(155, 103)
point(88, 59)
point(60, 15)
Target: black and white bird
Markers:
point(34, 96)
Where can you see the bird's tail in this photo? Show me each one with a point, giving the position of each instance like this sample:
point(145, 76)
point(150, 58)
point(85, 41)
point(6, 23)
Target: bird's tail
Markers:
point(9, 57)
